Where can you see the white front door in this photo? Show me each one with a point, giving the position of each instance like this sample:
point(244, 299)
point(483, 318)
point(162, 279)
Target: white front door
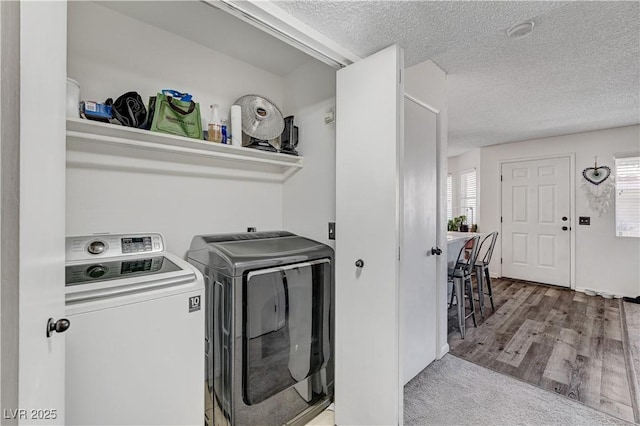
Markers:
point(43, 47)
point(418, 264)
point(369, 123)
point(536, 222)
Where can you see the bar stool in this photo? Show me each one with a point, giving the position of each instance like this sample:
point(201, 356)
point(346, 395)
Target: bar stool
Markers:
point(482, 270)
point(460, 275)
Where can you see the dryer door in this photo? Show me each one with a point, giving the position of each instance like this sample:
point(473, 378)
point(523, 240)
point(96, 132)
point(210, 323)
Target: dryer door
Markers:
point(286, 327)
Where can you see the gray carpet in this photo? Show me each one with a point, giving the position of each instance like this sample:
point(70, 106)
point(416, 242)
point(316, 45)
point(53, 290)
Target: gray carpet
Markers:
point(453, 391)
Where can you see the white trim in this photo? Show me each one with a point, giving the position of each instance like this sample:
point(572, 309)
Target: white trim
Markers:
point(444, 350)
point(422, 104)
point(441, 268)
point(400, 120)
point(499, 183)
point(574, 220)
point(268, 17)
point(626, 154)
point(441, 237)
point(582, 290)
point(572, 205)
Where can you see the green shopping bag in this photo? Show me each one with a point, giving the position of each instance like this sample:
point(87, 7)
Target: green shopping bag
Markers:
point(176, 117)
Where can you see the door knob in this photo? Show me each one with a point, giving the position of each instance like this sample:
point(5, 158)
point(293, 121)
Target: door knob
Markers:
point(59, 326)
point(359, 263)
point(564, 228)
point(564, 218)
point(436, 251)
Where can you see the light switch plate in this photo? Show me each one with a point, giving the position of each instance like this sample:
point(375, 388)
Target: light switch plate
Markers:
point(332, 230)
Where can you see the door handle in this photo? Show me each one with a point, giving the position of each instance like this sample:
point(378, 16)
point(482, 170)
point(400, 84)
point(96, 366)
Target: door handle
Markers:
point(436, 250)
point(564, 218)
point(59, 326)
point(564, 228)
point(359, 263)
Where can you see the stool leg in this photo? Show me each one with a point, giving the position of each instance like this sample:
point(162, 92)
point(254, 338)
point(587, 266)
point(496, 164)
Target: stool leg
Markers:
point(480, 289)
point(488, 276)
point(469, 286)
point(453, 294)
point(457, 283)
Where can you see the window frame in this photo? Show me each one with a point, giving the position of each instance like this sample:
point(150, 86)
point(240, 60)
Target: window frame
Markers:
point(449, 196)
point(627, 179)
point(464, 199)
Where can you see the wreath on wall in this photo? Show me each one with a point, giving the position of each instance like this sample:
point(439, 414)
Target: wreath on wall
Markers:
point(598, 185)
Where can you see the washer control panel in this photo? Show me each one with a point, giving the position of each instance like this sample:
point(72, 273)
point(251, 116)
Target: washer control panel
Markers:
point(136, 244)
point(112, 245)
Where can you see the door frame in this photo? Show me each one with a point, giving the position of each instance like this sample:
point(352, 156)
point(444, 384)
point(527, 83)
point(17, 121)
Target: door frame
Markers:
point(437, 349)
point(442, 345)
point(274, 21)
point(572, 206)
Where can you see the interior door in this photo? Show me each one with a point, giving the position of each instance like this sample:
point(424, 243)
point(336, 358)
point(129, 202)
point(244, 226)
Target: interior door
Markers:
point(43, 47)
point(418, 264)
point(536, 222)
point(368, 388)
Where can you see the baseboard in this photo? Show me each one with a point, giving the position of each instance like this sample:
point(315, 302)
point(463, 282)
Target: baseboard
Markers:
point(444, 350)
point(598, 291)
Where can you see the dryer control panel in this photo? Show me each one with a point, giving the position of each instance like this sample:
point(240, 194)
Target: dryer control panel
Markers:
point(112, 245)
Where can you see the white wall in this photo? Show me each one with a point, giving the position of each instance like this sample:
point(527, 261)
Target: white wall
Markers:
point(309, 201)
point(110, 53)
point(177, 206)
point(457, 165)
point(310, 194)
point(604, 262)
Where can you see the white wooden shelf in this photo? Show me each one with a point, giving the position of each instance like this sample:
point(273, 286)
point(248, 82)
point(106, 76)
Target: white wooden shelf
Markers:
point(92, 144)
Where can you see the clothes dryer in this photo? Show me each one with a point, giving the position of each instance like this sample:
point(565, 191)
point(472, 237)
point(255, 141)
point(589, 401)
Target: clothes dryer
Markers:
point(269, 326)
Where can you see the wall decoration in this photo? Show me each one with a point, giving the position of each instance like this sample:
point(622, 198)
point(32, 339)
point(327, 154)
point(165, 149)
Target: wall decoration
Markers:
point(598, 185)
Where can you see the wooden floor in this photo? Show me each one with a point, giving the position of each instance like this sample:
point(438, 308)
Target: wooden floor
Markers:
point(558, 339)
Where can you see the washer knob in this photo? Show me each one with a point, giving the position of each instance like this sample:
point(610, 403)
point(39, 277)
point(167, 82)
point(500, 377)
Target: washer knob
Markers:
point(96, 247)
point(96, 271)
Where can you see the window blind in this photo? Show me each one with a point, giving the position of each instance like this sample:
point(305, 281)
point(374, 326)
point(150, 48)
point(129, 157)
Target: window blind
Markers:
point(628, 197)
point(468, 205)
point(449, 197)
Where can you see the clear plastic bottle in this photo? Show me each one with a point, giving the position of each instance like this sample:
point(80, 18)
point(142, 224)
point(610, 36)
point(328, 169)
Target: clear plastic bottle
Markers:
point(215, 127)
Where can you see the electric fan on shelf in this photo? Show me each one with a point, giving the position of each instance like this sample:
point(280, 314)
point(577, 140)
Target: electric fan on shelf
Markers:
point(262, 121)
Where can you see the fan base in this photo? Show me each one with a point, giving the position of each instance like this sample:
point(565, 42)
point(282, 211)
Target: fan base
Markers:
point(261, 145)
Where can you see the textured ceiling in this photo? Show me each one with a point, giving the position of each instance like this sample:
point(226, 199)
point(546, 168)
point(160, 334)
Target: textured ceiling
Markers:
point(578, 71)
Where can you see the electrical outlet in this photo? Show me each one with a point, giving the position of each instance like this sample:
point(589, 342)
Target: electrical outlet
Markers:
point(584, 220)
point(329, 116)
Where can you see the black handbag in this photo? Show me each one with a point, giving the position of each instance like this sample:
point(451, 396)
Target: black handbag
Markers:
point(129, 110)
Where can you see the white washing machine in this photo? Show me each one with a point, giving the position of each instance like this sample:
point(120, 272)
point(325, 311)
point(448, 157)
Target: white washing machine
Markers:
point(135, 345)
